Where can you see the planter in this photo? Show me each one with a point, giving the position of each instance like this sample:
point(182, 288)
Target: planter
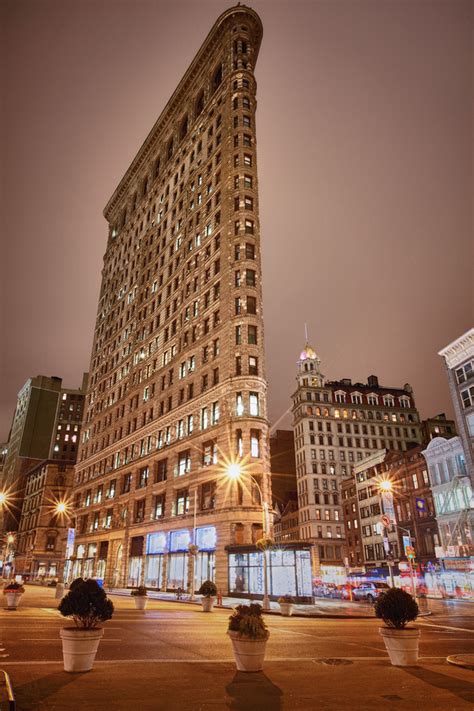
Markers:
point(79, 648)
point(13, 599)
point(286, 608)
point(249, 653)
point(140, 602)
point(59, 591)
point(401, 645)
point(207, 603)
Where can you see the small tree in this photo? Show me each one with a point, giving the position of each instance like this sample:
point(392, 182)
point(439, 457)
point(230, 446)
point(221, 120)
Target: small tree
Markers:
point(141, 591)
point(87, 604)
point(208, 589)
point(396, 608)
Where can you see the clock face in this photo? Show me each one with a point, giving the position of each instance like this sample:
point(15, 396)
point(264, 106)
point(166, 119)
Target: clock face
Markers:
point(314, 381)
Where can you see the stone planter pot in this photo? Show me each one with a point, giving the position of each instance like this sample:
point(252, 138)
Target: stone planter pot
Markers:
point(286, 608)
point(207, 603)
point(59, 591)
point(13, 599)
point(249, 653)
point(79, 648)
point(401, 645)
point(140, 601)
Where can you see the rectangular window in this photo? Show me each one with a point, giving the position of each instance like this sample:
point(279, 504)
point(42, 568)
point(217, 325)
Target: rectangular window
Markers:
point(184, 462)
point(255, 443)
point(182, 502)
point(252, 335)
point(253, 365)
point(251, 305)
point(253, 404)
point(159, 506)
point(161, 470)
point(239, 404)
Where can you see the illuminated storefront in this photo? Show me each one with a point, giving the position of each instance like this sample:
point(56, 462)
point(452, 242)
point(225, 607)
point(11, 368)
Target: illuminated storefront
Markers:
point(289, 571)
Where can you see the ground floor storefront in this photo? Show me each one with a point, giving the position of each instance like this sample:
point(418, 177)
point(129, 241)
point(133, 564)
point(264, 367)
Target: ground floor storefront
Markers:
point(169, 560)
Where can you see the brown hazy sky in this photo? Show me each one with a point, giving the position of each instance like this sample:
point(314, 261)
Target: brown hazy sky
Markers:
point(364, 130)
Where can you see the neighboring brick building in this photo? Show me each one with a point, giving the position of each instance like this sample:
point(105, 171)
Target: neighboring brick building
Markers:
point(283, 466)
point(46, 425)
point(437, 426)
point(414, 506)
point(354, 551)
point(177, 379)
point(286, 523)
point(42, 533)
point(338, 424)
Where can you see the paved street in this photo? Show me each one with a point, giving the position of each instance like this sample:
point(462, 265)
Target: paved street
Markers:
point(172, 656)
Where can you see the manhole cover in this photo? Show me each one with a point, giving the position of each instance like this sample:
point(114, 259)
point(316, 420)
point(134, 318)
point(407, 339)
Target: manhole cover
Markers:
point(335, 662)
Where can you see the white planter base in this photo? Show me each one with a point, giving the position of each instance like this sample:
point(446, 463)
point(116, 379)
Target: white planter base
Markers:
point(140, 602)
point(207, 603)
point(249, 653)
point(59, 591)
point(401, 645)
point(79, 648)
point(13, 600)
point(286, 608)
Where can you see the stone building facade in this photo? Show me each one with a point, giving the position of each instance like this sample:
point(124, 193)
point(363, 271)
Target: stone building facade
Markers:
point(338, 424)
point(177, 387)
point(453, 497)
point(42, 533)
point(459, 362)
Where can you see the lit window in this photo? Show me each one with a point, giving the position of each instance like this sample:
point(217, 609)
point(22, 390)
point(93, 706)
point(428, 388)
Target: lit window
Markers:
point(253, 404)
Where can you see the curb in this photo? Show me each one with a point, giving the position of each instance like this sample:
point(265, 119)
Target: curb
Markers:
point(333, 616)
point(466, 661)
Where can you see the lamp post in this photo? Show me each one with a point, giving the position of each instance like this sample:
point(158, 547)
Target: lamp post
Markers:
point(385, 488)
point(193, 550)
point(234, 472)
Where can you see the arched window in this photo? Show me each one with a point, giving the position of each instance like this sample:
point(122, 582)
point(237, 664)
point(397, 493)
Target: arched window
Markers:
point(169, 150)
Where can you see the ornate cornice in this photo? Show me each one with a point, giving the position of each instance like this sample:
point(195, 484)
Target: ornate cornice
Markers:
point(459, 350)
point(162, 123)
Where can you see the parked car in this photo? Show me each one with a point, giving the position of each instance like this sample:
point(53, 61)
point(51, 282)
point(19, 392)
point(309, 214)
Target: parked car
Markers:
point(369, 591)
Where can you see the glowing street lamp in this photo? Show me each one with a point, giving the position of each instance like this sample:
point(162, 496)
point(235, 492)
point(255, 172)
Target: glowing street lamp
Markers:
point(385, 487)
point(235, 472)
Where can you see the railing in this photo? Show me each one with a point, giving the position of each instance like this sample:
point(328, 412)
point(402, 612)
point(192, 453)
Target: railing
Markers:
point(8, 695)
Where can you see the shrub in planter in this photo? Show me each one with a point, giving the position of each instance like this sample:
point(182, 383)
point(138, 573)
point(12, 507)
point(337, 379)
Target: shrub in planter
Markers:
point(140, 596)
point(397, 608)
point(248, 634)
point(286, 603)
point(208, 590)
point(88, 605)
point(13, 592)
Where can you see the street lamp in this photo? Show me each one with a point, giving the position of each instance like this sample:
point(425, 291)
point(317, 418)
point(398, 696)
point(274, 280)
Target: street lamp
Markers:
point(385, 487)
point(235, 473)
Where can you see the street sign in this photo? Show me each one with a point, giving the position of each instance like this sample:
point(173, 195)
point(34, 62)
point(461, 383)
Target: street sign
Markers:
point(406, 542)
point(385, 520)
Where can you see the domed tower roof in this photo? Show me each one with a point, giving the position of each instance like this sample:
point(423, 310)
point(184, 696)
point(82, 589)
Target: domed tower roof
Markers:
point(308, 352)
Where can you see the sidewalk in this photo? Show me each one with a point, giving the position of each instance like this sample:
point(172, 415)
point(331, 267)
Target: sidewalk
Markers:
point(332, 609)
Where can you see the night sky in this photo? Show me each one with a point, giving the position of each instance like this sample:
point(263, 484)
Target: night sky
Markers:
point(364, 129)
